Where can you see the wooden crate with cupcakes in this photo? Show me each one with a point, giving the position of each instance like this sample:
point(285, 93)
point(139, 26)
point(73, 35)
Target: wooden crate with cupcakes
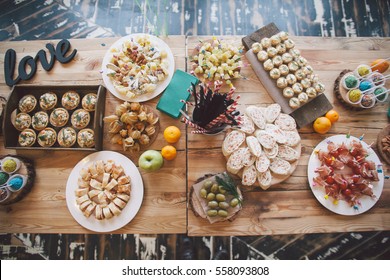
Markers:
point(55, 118)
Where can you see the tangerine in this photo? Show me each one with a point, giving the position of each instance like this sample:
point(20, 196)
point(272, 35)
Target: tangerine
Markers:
point(333, 116)
point(322, 125)
point(172, 134)
point(380, 65)
point(168, 152)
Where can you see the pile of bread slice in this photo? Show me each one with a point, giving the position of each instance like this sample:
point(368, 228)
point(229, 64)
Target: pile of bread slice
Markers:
point(265, 147)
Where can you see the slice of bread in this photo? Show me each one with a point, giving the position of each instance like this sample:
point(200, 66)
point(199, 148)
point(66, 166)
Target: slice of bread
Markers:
point(249, 175)
point(272, 112)
point(280, 166)
point(246, 125)
point(292, 138)
point(265, 139)
point(232, 142)
point(255, 113)
point(287, 153)
point(285, 122)
point(271, 153)
point(253, 145)
point(276, 133)
point(262, 163)
point(247, 157)
point(235, 162)
point(264, 179)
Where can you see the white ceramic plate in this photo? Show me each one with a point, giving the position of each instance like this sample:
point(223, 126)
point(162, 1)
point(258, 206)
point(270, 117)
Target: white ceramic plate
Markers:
point(132, 207)
point(160, 86)
point(343, 207)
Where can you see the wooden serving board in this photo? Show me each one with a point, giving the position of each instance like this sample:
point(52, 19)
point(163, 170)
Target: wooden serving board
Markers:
point(384, 132)
point(303, 115)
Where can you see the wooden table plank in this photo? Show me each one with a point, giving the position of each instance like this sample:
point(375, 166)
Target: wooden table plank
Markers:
point(44, 210)
point(290, 207)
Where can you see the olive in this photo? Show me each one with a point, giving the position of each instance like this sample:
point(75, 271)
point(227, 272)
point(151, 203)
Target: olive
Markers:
point(222, 213)
point(214, 188)
point(222, 190)
point(223, 205)
point(213, 204)
point(234, 202)
point(210, 196)
point(220, 197)
point(203, 193)
point(207, 184)
point(212, 213)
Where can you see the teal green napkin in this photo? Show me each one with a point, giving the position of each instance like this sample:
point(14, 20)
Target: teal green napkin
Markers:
point(176, 90)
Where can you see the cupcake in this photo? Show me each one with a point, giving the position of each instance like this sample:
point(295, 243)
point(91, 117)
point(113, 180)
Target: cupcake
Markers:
point(281, 48)
point(265, 43)
point(277, 61)
point(59, 117)
point(268, 65)
point(284, 69)
point(70, 100)
point(288, 92)
point(297, 88)
point(262, 56)
point(80, 118)
point(291, 79)
point(274, 73)
point(27, 103)
point(85, 138)
point(311, 92)
point(294, 102)
point(27, 138)
point(40, 120)
point(271, 51)
point(89, 102)
point(256, 47)
point(22, 121)
point(48, 101)
point(350, 82)
point(293, 66)
point(47, 137)
point(67, 137)
point(281, 82)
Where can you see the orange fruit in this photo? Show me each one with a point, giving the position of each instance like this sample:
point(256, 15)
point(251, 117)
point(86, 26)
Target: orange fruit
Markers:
point(322, 125)
point(332, 115)
point(380, 65)
point(168, 152)
point(172, 134)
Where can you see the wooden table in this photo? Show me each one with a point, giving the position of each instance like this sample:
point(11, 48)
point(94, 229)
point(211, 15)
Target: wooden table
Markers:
point(44, 210)
point(290, 207)
point(286, 208)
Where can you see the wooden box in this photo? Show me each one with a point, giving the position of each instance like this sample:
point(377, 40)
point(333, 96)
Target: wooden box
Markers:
point(11, 134)
point(303, 115)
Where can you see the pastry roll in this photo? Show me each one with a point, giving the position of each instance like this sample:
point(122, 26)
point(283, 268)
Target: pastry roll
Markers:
point(287, 58)
point(311, 92)
point(105, 179)
point(85, 174)
point(275, 40)
point(308, 70)
point(291, 79)
point(82, 199)
point(289, 43)
point(112, 184)
point(284, 69)
point(85, 204)
point(262, 163)
point(303, 97)
point(120, 203)
point(301, 61)
point(117, 171)
point(288, 92)
point(293, 66)
point(92, 170)
point(306, 83)
point(83, 183)
point(123, 180)
point(283, 35)
point(95, 184)
point(100, 167)
point(256, 47)
point(89, 210)
point(124, 188)
point(294, 102)
point(99, 212)
point(265, 43)
point(124, 197)
point(281, 48)
point(93, 193)
point(295, 53)
point(271, 51)
point(81, 192)
point(109, 194)
point(102, 198)
point(114, 209)
point(297, 88)
point(268, 65)
point(300, 74)
point(107, 213)
point(319, 87)
point(108, 166)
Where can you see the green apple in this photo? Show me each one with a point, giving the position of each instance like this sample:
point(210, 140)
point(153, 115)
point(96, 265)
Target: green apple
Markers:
point(151, 160)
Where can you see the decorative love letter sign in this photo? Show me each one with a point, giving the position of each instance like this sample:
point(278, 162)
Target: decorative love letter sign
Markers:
point(59, 53)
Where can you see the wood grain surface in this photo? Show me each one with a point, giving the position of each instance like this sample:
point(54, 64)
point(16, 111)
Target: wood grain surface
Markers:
point(290, 207)
point(44, 210)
